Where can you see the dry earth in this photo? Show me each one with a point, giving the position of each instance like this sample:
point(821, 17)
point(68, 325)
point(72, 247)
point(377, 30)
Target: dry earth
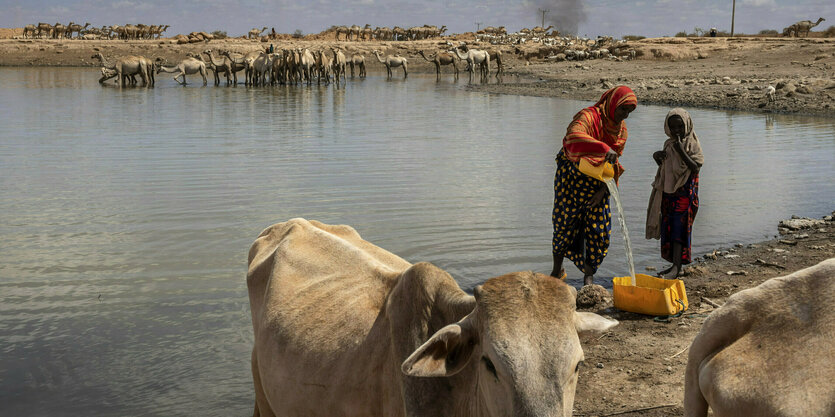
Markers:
point(641, 362)
point(729, 73)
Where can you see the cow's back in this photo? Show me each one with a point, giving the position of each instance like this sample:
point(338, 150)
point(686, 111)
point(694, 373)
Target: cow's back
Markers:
point(775, 353)
point(315, 292)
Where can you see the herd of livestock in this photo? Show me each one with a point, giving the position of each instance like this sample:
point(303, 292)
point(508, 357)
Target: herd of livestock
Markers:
point(288, 66)
point(74, 30)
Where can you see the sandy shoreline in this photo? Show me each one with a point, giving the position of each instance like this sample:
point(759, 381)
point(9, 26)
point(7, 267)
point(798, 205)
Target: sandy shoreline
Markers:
point(641, 362)
point(724, 73)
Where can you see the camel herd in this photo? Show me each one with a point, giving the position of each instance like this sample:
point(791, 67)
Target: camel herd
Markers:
point(397, 33)
point(61, 31)
point(287, 66)
point(801, 27)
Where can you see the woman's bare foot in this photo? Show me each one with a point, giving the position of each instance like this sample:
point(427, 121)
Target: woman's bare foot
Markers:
point(672, 273)
point(665, 272)
point(560, 275)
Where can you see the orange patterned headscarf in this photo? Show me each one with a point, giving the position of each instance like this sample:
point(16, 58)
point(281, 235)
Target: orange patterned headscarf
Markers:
point(594, 131)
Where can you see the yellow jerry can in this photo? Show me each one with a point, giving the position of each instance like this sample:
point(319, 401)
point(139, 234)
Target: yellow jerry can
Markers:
point(650, 295)
point(603, 172)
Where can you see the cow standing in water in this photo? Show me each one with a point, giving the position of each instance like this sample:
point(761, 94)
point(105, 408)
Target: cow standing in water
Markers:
point(769, 351)
point(345, 328)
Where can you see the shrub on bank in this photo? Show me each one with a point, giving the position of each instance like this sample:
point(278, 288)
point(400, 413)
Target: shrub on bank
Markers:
point(219, 34)
point(298, 34)
point(769, 32)
point(633, 37)
point(829, 32)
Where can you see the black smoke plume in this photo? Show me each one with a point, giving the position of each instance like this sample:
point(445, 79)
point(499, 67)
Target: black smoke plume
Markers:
point(564, 15)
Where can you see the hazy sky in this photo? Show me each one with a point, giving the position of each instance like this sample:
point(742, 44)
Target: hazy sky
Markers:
point(587, 17)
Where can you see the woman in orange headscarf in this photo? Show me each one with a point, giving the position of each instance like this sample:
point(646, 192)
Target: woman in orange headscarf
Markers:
point(581, 216)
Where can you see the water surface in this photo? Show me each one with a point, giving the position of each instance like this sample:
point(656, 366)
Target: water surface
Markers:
point(126, 214)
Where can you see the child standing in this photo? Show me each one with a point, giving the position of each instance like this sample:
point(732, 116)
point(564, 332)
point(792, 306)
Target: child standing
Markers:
point(674, 200)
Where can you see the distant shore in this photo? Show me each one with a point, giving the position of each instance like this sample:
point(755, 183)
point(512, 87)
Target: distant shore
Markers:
point(723, 73)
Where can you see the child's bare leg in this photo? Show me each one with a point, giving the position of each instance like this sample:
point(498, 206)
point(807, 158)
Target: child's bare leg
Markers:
point(674, 270)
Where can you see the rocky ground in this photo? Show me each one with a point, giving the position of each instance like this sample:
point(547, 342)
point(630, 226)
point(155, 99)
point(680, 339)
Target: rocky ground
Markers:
point(641, 362)
point(728, 73)
point(725, 73)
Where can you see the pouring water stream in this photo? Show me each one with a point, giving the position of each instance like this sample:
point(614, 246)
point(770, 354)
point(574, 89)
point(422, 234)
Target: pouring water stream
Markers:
point(613, 190)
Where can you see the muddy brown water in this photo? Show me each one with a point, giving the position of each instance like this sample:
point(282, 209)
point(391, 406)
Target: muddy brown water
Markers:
point(126, 214)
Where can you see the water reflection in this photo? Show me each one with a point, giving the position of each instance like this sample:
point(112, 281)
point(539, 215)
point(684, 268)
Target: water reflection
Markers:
point(151, 198)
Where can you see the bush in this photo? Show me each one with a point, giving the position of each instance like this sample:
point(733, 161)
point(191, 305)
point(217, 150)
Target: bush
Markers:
point(829, 32)
point(298, 34)
point(219, 34)
point(681, 34)
point(769, 32)
point(633, 37)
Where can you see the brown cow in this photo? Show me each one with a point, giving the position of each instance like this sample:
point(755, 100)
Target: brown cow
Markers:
point(345, 328)
point(769, 351)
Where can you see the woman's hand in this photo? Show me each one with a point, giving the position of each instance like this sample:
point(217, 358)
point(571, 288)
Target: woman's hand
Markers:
point(611, 157)
point(598, 196)
point(659, 156)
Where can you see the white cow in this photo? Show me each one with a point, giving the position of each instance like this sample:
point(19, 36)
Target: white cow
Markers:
point(769, 351)
point(345, 328)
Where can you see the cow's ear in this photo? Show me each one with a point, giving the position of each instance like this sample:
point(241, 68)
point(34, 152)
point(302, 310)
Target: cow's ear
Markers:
point(444, 354)
point(590, 323)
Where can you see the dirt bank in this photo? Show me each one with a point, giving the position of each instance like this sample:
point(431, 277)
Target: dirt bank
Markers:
point(641, 362)
point(728, 73)
point(725, 73)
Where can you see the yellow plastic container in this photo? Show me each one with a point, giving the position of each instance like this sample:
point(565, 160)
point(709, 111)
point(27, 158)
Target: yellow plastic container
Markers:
point(603, 172)
point(650, 295)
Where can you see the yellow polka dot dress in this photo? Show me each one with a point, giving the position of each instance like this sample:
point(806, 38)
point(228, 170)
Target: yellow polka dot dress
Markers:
point(581, 233)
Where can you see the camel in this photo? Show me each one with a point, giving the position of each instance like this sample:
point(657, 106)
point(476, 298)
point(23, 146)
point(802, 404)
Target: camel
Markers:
point(400, 34)
point(539, 31)
point(238, 63)
point(323, 67)
point(354, 30)
point(475, 57)
point(306, 63)
point(806, 26)
point(496, 56)
point(30, 29)
point(223, 64)
point(789, 31)
point(342, 29)
point(126, 67)
point(187, 66)
point(259, 67)
point(441, 59)
point(162, 30)
point(59, 31)
point(339, 62)
point(254, 33)
point(44, 29)
point(359, 61)
point(393, 62)
point(75, 27)
point(367, 33)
